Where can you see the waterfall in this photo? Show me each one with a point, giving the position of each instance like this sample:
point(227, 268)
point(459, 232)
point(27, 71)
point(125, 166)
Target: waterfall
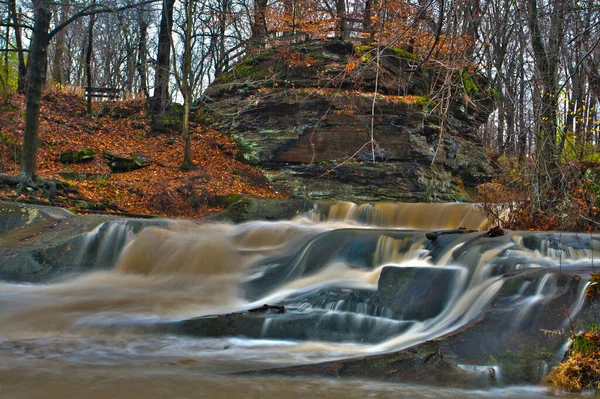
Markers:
point(350, 280)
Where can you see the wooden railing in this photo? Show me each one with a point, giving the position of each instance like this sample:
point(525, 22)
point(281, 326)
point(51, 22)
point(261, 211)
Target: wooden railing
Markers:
point(103, 92)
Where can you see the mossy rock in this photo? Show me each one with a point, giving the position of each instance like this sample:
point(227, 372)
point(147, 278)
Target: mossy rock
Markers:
point(121, 163)
point(252, 68)
point(365, 50)
point(241, 208)
point(171, 121)
point(283, 122)
point(14, 215)
point(77, 156)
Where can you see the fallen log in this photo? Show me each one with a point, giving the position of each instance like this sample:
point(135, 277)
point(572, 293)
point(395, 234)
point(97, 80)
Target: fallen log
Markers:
point(265, 308)
point(435, 234)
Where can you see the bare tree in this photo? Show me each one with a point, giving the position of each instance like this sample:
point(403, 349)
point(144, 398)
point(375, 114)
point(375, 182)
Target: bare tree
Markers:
point(38, 61)
point(546, 54)
point(160, 100)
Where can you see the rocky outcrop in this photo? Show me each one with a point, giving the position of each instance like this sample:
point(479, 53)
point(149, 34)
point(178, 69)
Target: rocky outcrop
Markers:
point(491, 350)
point(39, 243)
point(305, 115)
point(244, 208)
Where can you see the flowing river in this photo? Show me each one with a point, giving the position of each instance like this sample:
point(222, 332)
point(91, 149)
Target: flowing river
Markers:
point(166, 314)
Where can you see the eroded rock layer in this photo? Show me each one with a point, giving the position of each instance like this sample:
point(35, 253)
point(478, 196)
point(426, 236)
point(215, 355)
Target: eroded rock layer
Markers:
point(307, 113)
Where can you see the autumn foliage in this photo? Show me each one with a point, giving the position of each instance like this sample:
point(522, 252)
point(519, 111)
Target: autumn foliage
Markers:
point(393, 23)
point(570, 204)
point(122, 127)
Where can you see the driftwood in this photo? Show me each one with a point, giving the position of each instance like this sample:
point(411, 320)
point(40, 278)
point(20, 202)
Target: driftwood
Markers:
point(265, 308)
point(435, 234)
point(494, 232)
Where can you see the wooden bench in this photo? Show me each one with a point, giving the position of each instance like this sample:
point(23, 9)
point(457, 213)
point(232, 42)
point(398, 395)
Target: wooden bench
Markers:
point(103, 92)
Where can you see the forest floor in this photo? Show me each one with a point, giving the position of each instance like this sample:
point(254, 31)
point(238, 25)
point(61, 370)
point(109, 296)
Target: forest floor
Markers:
point(122, 127)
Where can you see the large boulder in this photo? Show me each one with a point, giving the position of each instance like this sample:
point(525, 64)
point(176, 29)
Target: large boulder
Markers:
point(15, 215)
point(417, 293)
point(306, 118)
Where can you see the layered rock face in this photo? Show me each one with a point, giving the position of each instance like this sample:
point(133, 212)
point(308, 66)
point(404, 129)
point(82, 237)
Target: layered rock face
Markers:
point(328, 120)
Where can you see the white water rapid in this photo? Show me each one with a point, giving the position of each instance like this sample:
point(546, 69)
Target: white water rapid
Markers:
point(354, 281)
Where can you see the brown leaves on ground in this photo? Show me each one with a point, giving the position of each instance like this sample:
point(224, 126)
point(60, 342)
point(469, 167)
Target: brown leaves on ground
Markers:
point(580, 370)
point(122, 127)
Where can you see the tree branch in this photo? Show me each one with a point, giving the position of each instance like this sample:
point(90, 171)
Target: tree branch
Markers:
point(96, 9)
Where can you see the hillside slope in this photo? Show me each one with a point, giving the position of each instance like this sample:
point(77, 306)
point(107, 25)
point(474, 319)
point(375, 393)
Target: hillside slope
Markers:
point(121, 127)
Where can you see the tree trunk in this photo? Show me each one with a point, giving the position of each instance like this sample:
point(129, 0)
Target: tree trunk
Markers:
point(5, 80)
point(22, 70)
point(546, 59)
point(88, 62)
point(59, 49)
point(161, 88)
point(130, 67)
point(143, 53)
point(368, 20)
point(288, 17)
point(522, 139)
point(509, 112)
point(259, 23)
point(186, 88)
point(340, 9)
point(37, 75)
point(223, 62)
point(185, 134)
point(501, 115)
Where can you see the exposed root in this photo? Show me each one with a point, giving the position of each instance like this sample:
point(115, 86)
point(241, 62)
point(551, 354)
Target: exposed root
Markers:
point(52, 192)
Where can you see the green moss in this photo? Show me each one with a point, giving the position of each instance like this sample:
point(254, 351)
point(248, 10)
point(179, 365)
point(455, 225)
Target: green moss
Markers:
point(172, 120)
point(252, 68)
point(274, 132)
point(78, 156)
point(364, 51)
point(247, 151)
point(400, 53)
point(7, 140)
point(425, 102)
point(361, 50)
point(231, 199)
point(493, 93)
point(256, 59)
point(469, 84)
point(224, 77)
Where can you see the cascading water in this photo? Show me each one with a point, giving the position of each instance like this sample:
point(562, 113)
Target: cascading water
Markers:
point(180, 292)
point(402, 215)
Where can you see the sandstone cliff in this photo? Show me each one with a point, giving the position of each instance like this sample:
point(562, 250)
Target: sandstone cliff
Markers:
point(304, 113)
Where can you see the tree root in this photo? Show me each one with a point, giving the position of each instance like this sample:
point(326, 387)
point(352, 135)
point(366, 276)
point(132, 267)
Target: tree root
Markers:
point(53, 192)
